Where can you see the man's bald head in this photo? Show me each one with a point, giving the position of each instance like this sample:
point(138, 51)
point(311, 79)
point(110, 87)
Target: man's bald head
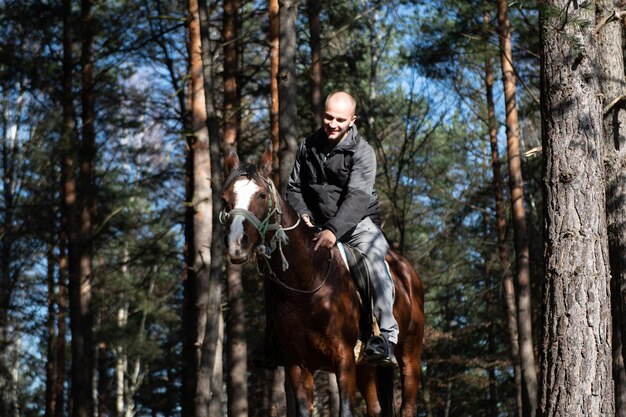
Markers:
point(343, 99)
point(339, 115)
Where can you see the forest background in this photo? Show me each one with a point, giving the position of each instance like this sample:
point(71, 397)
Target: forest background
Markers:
point(115, 298)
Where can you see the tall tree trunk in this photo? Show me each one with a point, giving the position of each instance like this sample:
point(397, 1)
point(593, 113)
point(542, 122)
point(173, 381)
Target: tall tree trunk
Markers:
point(274, 38)
point(80, 236)
point(287, 88)
point(516, 185)
point(317, 107)
point(508, 286)
point(61, 302)
point(190, 315)
point(200, 226)
point(237, 349)
point(51, 362)
point(489, 313)
point(288, 121)
point(613, 85)
point(121, 359)
point(207, 198)
point(8, 276)
point(103, 379)
point(576, 364)
point(67, 235)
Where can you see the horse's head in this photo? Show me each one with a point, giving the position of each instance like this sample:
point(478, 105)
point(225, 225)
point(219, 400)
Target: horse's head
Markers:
point(250, 205)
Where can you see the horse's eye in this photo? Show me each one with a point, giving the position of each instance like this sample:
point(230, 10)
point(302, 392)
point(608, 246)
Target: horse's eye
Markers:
point(263, 196)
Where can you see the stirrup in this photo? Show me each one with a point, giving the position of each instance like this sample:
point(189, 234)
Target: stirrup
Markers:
point(379, 352)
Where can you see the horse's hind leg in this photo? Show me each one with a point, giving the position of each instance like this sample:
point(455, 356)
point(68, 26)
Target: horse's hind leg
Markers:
point(302, 382)
point(346, 382)
point(366, 381)
point(410, 367)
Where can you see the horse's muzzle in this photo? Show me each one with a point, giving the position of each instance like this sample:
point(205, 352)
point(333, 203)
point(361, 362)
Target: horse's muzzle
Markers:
point(238, 260)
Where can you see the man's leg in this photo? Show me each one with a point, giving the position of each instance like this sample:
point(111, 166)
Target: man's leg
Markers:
point(369, 239)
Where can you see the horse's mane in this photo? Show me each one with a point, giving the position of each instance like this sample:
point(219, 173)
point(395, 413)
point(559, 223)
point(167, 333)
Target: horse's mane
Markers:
point(246, 169)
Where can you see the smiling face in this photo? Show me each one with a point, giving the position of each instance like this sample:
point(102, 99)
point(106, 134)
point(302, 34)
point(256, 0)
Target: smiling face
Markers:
point(339, 116)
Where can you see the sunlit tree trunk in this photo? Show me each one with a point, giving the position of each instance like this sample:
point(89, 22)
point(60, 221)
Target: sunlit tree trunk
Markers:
point(288, 121)
point(237, 350)
point(508, 286)
point(209, 259)
point(287, 88)
point(201, 289)
point(8, 275)
point(576, 362)
point(613, 85)
point(189, 313)
point(121, 359)
point(274, 38)
point(317, 106)
point(516, 185)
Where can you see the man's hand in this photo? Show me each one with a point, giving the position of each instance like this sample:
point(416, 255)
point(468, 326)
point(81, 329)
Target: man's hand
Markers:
point(325, 239)
point(307, 220)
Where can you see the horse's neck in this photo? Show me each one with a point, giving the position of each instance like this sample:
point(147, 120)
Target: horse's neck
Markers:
point(299, 250)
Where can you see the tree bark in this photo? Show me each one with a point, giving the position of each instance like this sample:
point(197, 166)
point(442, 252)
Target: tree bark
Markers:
point(190, 314)
point(317, 106)
point(209, 259)
point(274, 38)
point(576, 364)
point(203, 304)
point(51, 362)
point(287, 88)
point(81, 236)
point(61, 302)
point(489, 311)
point(508, 286)
point(8, 275)
point(237, 349)
point(516, 185)
point(67, 236)
point(613, 85)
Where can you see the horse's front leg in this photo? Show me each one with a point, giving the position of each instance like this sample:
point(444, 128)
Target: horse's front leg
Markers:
point(346, 382)
point(302, 382)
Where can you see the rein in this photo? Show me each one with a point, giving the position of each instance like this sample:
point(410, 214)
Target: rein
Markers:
point(263, 226)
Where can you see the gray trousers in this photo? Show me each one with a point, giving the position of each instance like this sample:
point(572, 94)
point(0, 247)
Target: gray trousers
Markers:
point(369, 239)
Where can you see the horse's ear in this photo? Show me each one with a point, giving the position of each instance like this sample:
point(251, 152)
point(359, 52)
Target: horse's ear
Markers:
point(265, 163)
point(231, 162)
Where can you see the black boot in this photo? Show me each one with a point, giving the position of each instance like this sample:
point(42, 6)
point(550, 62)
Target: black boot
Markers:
point(379, 351)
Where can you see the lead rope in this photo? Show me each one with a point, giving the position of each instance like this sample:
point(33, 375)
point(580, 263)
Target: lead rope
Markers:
point(274, 278)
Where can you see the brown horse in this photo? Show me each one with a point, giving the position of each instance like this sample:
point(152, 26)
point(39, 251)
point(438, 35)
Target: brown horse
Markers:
point(315, 307)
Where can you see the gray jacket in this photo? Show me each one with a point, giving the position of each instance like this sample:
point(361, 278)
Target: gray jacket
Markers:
point(335, 186)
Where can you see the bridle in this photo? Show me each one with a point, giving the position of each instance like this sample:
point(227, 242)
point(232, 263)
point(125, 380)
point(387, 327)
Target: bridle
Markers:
point(265, 249)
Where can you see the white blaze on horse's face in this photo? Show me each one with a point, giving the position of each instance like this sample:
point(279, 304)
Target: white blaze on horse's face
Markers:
point(244, 190)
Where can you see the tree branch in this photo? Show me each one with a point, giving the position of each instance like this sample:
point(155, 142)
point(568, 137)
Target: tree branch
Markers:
point(615, 15)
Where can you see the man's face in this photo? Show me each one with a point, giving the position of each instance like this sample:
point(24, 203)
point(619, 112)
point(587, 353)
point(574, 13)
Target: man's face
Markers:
point(338, 117)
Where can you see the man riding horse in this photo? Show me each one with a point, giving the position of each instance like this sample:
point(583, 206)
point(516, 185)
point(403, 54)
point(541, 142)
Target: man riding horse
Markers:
point(332, 187)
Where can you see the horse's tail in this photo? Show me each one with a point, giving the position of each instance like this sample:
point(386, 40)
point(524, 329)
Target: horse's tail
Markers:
point(384, 377)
